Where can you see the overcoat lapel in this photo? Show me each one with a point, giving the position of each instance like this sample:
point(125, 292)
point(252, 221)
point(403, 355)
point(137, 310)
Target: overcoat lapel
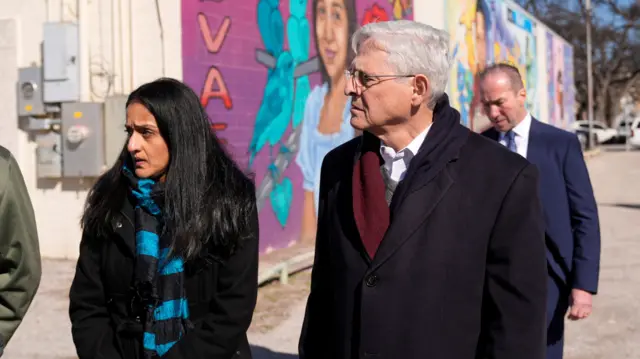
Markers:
point(426, 183)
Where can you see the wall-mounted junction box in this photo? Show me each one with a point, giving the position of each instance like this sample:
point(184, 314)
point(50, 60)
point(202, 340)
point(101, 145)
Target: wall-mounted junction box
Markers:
point(83, 139)
point(61, 62)
point(29, 92)
point(115, 117)
point(48, 155)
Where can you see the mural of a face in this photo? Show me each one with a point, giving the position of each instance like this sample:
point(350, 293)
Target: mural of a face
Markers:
point(332, 34)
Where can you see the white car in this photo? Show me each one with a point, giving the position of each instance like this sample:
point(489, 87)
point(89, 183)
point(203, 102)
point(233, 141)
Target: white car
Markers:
point(634, 138)
point(601, 132)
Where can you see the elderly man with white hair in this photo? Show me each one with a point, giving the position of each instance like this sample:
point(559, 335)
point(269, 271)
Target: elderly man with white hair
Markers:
point(430, 239)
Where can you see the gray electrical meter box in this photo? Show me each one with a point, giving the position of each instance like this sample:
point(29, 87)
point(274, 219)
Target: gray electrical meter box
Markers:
point(49, 155)
point(29, 91)
point(82, 139)
point(61, 65)
point(115, 136)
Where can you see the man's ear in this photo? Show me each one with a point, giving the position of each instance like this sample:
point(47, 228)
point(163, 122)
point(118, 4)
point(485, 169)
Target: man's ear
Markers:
point(522, 95)
point(421, 90)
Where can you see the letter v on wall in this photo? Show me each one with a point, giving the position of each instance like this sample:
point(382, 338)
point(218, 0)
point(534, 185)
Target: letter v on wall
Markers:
point(214, 85)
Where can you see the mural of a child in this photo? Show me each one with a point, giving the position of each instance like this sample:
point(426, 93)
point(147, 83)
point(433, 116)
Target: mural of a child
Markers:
point(327, 112)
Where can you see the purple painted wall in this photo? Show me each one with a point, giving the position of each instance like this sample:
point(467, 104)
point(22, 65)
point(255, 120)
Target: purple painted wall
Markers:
point(561, 90)
point(255, 66)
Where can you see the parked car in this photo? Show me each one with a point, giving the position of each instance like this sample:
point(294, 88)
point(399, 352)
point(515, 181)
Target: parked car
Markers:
point(623, 131)
point(624, 126)
point(601, 132)
point(634, 135)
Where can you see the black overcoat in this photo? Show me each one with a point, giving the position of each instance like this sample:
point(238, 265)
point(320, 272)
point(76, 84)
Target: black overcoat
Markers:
point(221, 296)
point(461, 272)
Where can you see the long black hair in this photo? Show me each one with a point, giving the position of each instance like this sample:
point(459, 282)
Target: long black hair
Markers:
point(207, 198)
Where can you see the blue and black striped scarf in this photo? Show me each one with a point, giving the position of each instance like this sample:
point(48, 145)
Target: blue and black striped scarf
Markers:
point(159, 281)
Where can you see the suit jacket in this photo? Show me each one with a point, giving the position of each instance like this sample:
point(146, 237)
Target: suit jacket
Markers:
point(460, 273)
point(570, 210)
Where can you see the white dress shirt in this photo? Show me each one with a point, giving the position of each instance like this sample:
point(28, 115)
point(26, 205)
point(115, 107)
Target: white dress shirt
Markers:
point(521, 136)
point(397, 163)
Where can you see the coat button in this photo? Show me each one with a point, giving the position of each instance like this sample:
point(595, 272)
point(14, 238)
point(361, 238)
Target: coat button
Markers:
point(371, 280)
point(119, 225)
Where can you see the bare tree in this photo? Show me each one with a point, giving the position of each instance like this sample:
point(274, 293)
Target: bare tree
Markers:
point(615, 45)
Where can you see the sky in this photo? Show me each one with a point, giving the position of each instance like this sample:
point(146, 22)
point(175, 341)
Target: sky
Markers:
point(604, 14)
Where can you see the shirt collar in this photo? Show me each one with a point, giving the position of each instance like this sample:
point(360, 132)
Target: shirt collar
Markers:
point(521, 129)
point(413, 147)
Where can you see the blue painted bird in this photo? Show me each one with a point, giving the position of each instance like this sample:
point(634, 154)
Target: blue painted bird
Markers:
point(273, 117)
point(298, 33)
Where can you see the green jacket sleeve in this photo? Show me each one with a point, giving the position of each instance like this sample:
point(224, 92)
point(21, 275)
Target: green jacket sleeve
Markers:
point(20, 267)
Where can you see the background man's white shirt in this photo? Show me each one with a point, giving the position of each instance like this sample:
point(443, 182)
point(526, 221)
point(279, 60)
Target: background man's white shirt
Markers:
point(521, 136)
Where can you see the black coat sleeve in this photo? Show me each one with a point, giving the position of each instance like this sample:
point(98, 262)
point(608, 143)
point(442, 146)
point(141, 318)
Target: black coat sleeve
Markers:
point(316, 326)
point(514, 305)
point(220, 332)
point(91, 328)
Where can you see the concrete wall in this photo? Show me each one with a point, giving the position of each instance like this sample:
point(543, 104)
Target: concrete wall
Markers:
point(430, 12)
point(121, 48)
point(9, 135)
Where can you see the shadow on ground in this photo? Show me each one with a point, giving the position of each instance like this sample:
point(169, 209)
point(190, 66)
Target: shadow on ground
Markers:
point(264, 353)
point(614, 148)
point(622, 205)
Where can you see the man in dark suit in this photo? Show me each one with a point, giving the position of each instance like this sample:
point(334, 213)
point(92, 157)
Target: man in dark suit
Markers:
point(430, 239)
point(570, 211)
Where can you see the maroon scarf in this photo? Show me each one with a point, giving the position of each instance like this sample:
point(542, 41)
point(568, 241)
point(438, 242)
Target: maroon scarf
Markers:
point(370, 207)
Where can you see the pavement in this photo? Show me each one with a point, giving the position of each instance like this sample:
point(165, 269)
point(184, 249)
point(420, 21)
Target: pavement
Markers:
point(611, 332)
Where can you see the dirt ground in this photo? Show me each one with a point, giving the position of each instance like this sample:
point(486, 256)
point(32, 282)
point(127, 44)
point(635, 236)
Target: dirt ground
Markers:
point(271, 310)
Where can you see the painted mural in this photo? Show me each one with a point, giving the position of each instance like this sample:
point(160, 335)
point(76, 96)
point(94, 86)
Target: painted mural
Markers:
point(551, 83)
point(569, 89)
point(484, 32)
point(270, 74)
point(561, 95)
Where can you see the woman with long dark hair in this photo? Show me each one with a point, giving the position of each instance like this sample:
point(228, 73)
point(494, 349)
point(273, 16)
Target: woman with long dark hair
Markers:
point(168, 260)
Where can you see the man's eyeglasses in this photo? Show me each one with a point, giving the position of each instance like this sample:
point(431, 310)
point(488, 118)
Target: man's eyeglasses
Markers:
point(361, 79)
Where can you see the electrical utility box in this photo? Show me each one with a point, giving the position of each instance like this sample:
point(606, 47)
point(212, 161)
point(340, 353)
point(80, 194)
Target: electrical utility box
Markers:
point(29, 92)
point(61, 62)
point(49, 155)
point(83, 139)
point(115, 117)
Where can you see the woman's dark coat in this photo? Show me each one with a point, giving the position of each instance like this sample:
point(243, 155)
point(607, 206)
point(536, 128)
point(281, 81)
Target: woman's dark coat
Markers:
point(222, 297)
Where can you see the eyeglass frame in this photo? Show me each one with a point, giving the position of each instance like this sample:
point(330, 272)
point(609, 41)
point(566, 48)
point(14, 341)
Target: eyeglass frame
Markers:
point(349, 74)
